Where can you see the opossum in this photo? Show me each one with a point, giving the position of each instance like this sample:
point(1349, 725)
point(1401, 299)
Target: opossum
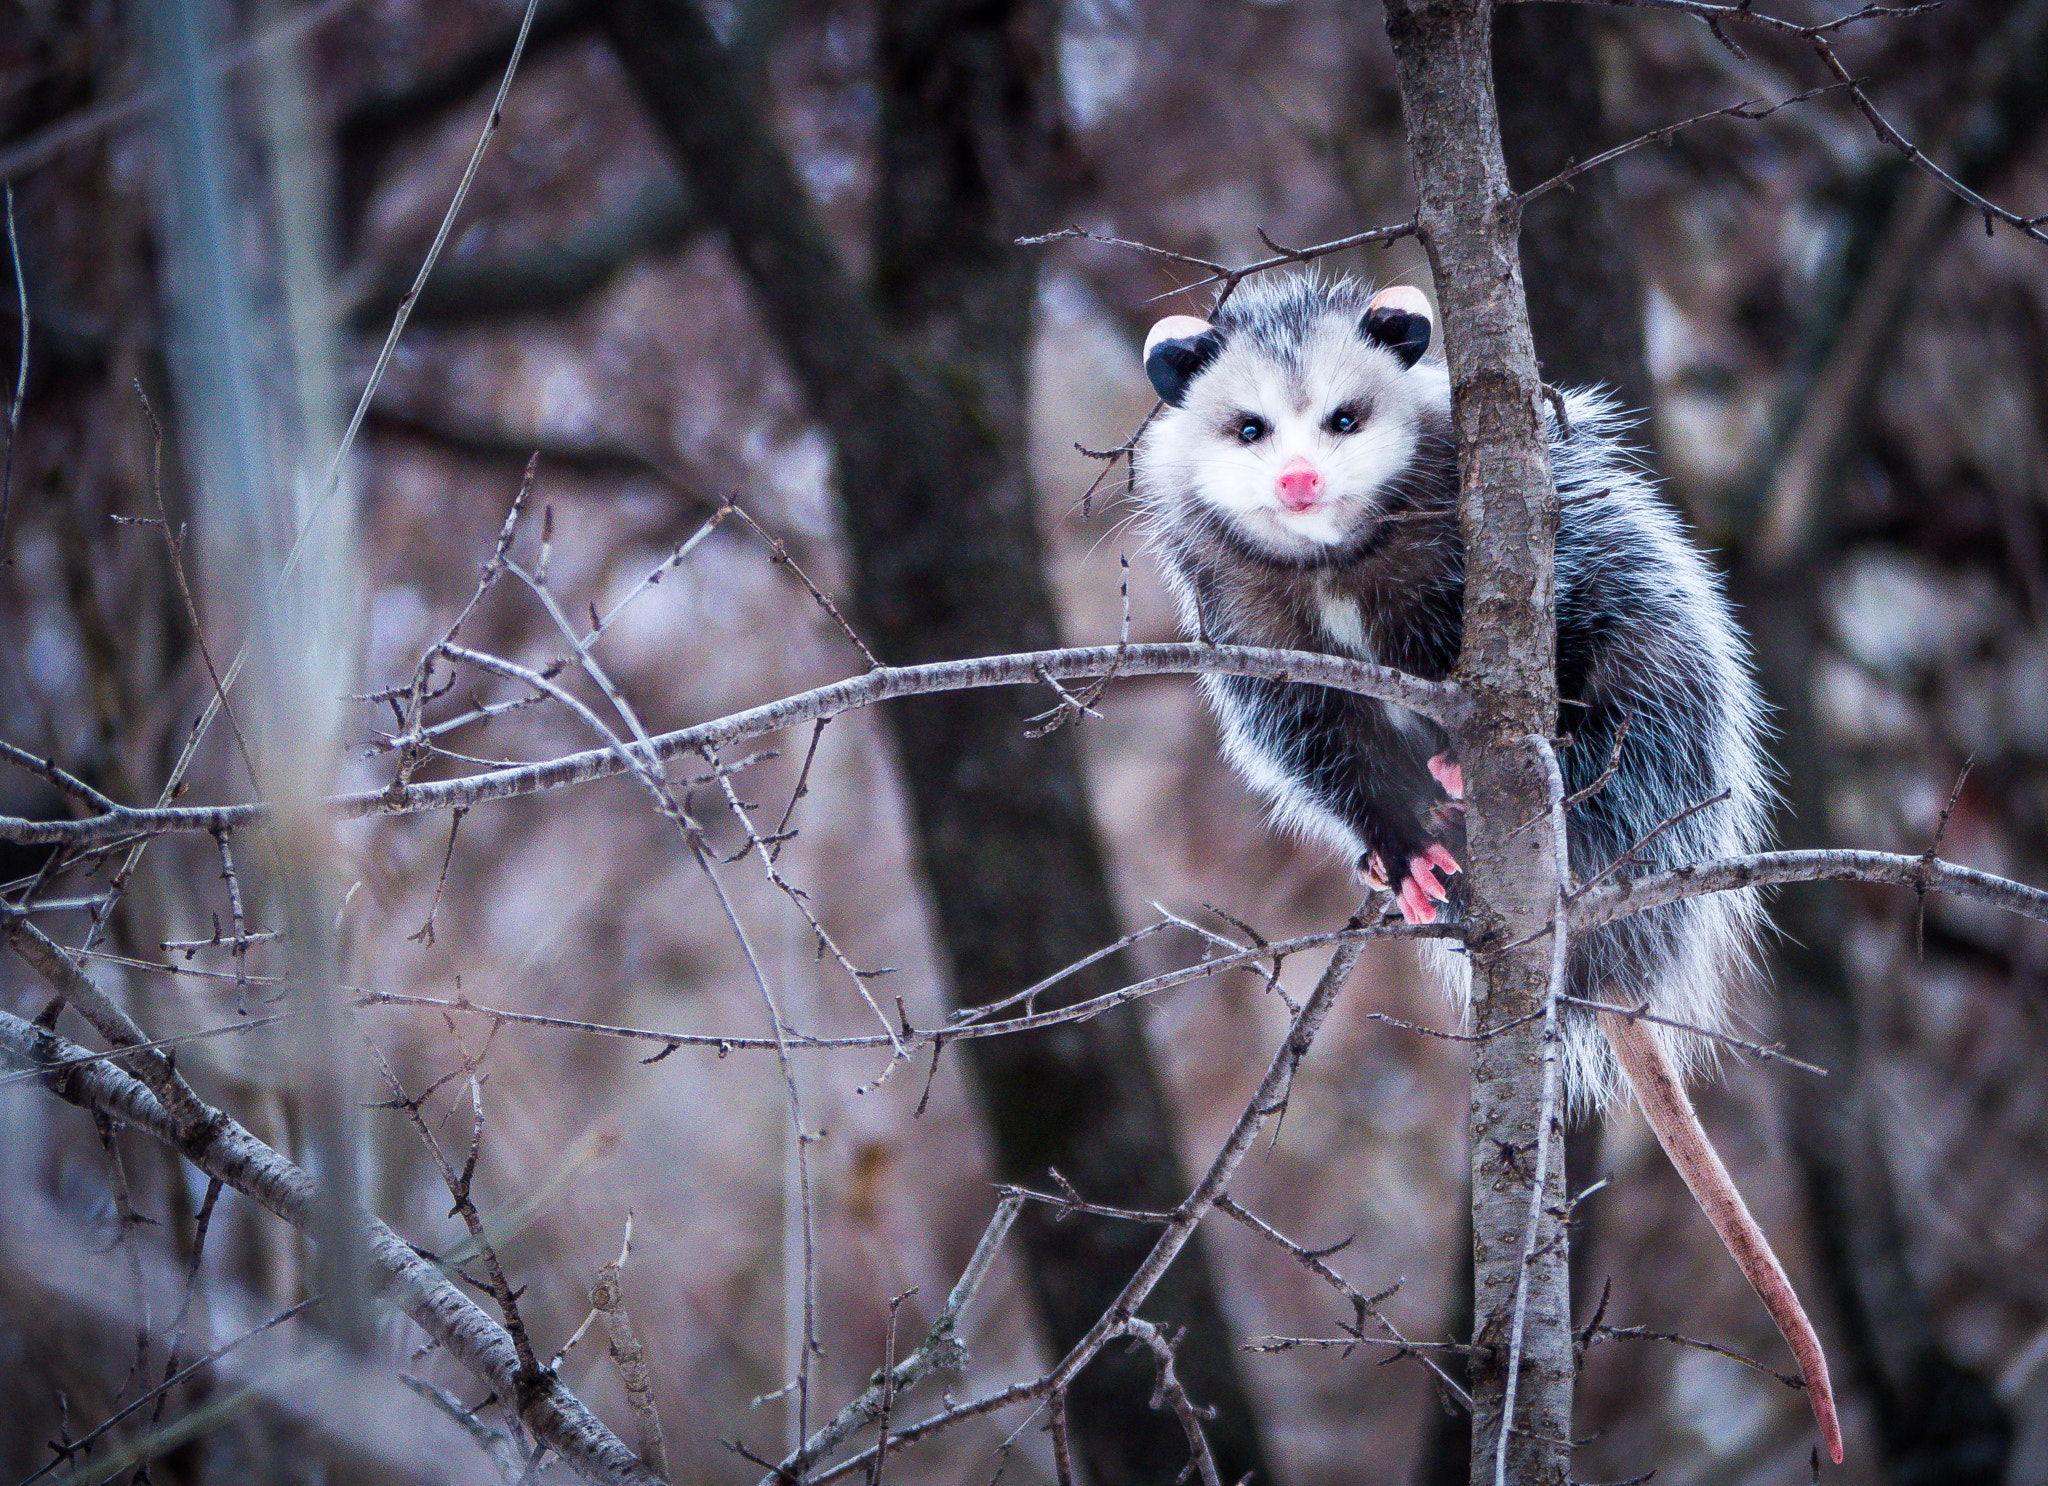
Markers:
point(1299, 486)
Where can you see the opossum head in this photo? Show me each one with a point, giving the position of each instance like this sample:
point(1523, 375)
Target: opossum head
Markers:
point(1294, 415)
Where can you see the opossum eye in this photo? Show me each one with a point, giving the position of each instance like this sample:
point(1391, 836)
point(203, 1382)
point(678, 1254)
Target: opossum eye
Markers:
point(1250, 430)
point(1346, 419)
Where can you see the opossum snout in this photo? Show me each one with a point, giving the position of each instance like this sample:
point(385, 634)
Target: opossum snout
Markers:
point(1299, 485)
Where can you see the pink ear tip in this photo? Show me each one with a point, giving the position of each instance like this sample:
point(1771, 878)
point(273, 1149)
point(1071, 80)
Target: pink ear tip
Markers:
point(1403, 297)
point(1175, 328)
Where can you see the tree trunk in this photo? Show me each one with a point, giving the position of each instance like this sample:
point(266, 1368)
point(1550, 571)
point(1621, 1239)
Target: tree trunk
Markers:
point(922, 389)
point(1469, 224)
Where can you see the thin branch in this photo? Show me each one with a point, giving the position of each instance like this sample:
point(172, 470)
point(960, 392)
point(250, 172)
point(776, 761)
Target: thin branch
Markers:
point(913, 1039)
point(779, 552)
point(384, 352)
point(1749, 108)
point(163, 1389)
point(2033, 227)
point(240, 951)
point(224, 1149)
point(941, 1349)
point(1742, 12)
point(1597, 1333)
point(1362, 1305)
point(1772, 868)
point(1439, 701)
point(458, 1183)
point(505, 1456)
point(1222, 274)
point(1762, 1052)
point(608, 1299)
point(1269, 1100)
point(1169, 1392)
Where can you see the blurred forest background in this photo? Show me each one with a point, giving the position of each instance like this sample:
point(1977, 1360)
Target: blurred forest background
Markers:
point(762, 250)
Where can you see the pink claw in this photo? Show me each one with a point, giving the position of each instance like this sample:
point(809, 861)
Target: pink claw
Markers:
point(1449, 773)
point(1439, 856)
point(1374, 873)
point(1415, 908)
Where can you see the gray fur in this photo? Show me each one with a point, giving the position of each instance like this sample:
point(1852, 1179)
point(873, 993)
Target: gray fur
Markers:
point(1644, 633)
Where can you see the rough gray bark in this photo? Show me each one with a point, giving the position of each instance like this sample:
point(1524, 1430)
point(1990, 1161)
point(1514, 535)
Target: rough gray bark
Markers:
point(921, 388)
point(1586, 317)
point(1469, 223)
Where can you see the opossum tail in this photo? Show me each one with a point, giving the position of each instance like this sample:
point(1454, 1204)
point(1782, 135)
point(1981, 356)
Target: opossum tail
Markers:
point(1677, 1126)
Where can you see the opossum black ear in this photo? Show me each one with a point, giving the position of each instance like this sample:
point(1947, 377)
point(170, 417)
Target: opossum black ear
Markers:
point(1398, 319)
point(1177, 348)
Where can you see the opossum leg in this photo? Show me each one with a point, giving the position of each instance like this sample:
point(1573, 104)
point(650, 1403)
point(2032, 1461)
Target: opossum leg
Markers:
point(1421, 889)
point(1677, 1126)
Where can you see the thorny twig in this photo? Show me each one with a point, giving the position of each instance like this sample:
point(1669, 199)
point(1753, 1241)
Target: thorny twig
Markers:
point(223, 1148)
point(1363, 1305)
point(940, 1350)
point(779, 553)
point(529, 1375)
point(1761, 1051)
point(608, 1299)
point(1168, 1391)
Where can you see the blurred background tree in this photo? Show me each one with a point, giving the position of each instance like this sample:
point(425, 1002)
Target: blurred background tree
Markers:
point(762, 250)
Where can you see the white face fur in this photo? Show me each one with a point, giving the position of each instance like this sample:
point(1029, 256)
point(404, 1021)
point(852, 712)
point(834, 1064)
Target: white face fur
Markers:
point(1296, 452)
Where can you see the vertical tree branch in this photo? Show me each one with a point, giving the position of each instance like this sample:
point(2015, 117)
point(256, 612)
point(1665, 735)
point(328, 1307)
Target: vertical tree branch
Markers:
point(1470, 224)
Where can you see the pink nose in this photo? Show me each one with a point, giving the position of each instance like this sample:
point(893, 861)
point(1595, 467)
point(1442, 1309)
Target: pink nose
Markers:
point(1299, 486)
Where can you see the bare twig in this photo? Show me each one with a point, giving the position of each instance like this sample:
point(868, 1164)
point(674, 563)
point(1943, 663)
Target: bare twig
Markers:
point(425, 933)
point(528, 1377)
point(1773, 868)
point(1762, 1052)
point(223, 1148)
point(1363, 1305)
point(780, 553)
point(1597, 1333)
point(940, 1350)
point(498, 1447)
point(162, 1390)
point(1169, 1392)
point(1628, 854)
point(1223, 275)
point(1750, 108)
point(608, 1299)
point(240, 952)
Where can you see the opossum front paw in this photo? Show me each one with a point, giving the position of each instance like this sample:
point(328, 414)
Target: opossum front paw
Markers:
point(1449, 773)
point(1421, 888)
